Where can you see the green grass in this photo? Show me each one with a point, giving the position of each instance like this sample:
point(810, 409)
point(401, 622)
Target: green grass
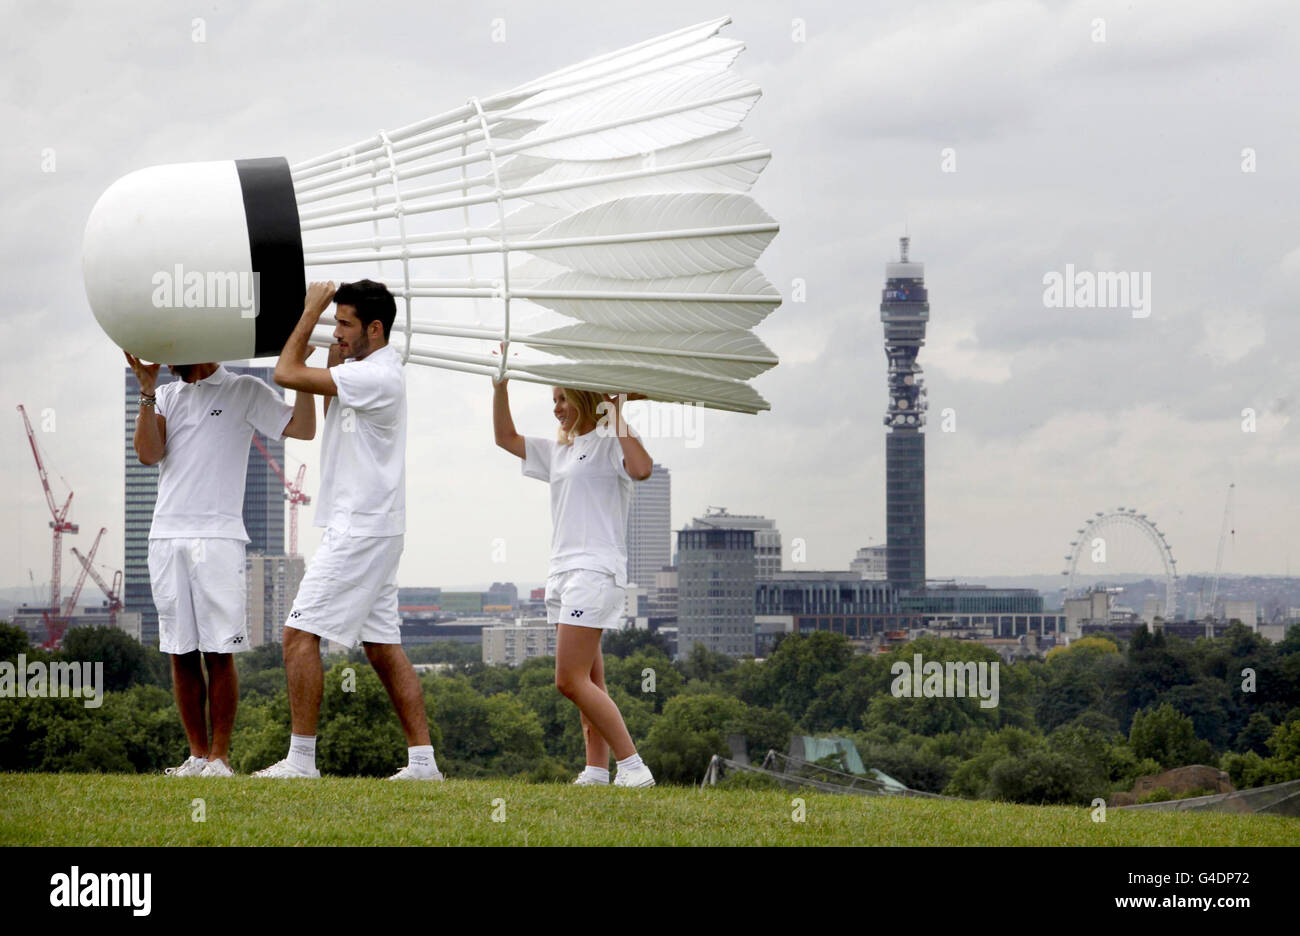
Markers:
point(98, 809)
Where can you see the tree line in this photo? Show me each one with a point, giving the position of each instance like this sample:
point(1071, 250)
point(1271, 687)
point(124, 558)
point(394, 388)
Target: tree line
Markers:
point(1087, 720)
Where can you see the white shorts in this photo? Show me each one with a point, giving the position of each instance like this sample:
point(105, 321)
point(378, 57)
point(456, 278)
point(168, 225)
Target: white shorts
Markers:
point(199, 591)
point(349, 592)
point(585, 598)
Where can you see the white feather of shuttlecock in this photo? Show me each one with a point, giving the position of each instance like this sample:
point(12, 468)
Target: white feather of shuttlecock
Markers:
point(595, 221)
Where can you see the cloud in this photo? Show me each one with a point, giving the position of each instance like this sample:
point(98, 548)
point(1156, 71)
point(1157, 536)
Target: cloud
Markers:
point(1122, 157)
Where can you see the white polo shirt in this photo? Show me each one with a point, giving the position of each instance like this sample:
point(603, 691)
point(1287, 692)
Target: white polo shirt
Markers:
point(591, 492)
point(210, 425)
point(363, 451)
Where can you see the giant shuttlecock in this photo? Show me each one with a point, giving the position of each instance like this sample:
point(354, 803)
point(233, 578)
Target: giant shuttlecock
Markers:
point(595, 221)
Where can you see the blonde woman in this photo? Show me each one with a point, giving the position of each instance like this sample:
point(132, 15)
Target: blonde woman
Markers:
point(590, 469)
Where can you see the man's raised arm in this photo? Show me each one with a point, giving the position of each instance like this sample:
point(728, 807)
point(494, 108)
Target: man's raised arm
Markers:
point(291, 370)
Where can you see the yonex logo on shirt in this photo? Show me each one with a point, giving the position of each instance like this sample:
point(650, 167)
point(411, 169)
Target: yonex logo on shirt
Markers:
point(582, 456)
point(215, 412)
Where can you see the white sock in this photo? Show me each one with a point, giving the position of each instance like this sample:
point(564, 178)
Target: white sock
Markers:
point(630, 762)
point(302, 752)
point(421, 758)
point(599, 774)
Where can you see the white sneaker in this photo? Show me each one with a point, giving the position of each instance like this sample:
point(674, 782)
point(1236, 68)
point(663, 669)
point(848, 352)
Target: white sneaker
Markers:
point(193, 767)
point(636, 777)
point(283, 770)
point(408, 773)
point(584, 780)
point(217, 768)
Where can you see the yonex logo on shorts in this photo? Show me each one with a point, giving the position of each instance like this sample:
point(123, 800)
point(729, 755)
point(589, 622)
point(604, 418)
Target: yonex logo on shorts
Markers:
point(575, 614)
point(215, 412)
point(294, 614)
point(582, 456)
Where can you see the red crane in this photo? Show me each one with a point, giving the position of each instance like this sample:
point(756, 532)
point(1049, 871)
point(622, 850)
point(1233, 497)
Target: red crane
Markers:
point(59, 523)
point(56, 625)
point(293, 492)
point(113, 594)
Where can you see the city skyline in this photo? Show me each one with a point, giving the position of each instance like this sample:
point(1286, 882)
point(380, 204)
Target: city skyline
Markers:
point(1059, 412)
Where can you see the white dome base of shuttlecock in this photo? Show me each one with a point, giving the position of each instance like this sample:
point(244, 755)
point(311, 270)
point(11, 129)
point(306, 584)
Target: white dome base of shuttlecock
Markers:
point(596, 222)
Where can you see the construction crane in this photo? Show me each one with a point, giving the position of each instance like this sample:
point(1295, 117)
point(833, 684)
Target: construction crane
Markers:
point(57, 624)
point(293, 492)
point(59, 522)
point(1218, 560)
point(113, 594)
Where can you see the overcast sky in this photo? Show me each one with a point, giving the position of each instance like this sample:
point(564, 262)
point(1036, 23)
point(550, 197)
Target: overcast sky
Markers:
point(1122, 155)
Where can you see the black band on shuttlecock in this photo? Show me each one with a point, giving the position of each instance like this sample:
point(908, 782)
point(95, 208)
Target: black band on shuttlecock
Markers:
point(275, 244)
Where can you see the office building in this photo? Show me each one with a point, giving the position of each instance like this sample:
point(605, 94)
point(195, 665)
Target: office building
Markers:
point(767, 538)
point(716, 575)
point(871, 563)
point(502, 596)
point(272, 583)
point(649, 527)
point(512, 644)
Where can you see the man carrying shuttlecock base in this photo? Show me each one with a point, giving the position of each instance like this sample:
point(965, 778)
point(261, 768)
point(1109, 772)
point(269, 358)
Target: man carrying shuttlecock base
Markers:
point(349, 594)
point(197, 430)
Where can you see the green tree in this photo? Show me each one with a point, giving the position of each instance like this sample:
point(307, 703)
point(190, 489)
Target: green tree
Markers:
point(1077, 679)
point(630, 640)
point(1207, 703)
point(490, 680)
point(687, 735)
point(145, 720)
point(920, 763)
point(1282, 764)
point(1043, 776)
point(261, 735)
point(764, 731)
point(794, 671)
point(1099, 644)
point(1285, 740)
point(972, 778)
point(359, 733)
point(446, 651)
point(1156, 664)
point(126, 662)
point(1168, 737)
point(1254, 737)
point(704, 664)
point(13, 641)
point(482, 736)
point(255, 660)
point(843, 698)
point(263, 683)
point(641, 669)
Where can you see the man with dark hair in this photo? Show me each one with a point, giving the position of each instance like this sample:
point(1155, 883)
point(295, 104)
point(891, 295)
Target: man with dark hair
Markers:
point(370, 302)
point(349, 594)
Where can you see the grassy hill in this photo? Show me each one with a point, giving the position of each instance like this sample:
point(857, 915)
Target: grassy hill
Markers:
point(98, 809)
